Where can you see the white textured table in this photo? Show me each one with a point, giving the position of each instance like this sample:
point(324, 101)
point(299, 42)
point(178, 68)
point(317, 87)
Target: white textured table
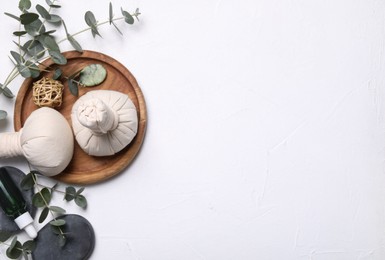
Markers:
point(266, 130)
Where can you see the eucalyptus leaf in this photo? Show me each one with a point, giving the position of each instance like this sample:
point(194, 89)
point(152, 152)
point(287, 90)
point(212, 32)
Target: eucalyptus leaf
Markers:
point(56, 230)
point(92, 75)
point(55, 6)
point(24, 5)
point(73, 87)
point(49, 32)
point(14, 252)
point(19, 33)
point(57, 74)
point(55, 19)
point(34, 48)
point(13, 16)
point(75, 44)
point(62, 240)
point(13, 243)
point(81, 201)
point(3, 115)
point(111, 14)
point(57, 57)
point(17, 57)
point(80, 191)
point(28, 18)
point(50, 43)
point(35, 28)
point(43, 214)
point(28, 181)
point(33, 69)
point(29, 245)
point(24, 70)
point(52, 5)
point(6, 91)
point(43, 12)
point(70, 193)
point(42, 198)
point(58, 222)
point(116, 27)
point(127, 17)
point(91, 21)
point(57, 209)
point(72, 40)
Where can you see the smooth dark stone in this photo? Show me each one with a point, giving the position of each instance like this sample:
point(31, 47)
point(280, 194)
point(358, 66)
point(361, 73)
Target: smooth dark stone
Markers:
point(80, 240)
point(6, 223)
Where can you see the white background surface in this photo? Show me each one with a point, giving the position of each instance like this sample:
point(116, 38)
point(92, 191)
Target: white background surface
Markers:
point(265, 135)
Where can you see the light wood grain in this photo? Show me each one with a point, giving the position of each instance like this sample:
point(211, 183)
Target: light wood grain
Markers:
point(85, 169)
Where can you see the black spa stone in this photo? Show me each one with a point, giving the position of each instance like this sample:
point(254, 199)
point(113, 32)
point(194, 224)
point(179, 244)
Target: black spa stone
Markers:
point(6, 223)
point(80, 241)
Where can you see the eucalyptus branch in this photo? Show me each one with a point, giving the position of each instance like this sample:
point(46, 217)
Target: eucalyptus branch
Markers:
point(42, 41)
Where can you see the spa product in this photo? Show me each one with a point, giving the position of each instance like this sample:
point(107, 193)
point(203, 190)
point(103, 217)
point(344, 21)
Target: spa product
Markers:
point(104, 122)
point(14, 205)
point(46, 141)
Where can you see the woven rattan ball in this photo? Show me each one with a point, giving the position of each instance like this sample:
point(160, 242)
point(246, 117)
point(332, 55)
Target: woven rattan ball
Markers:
point(47, 92)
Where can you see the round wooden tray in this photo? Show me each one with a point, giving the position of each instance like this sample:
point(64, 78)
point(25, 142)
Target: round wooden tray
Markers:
point(85, 169)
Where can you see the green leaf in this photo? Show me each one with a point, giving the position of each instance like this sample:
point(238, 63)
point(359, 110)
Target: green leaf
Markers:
point(57, 209)
point(13, 243)
point(24, 5)
point(56, 230)
point(72, 40)
point(42, 198)
point(137, 13)
point(52, 4)
point(35, 28)
point(116, 27)
point(50, 43)
point(13, 250)
point(13, 16)
point(34, 48)
point(73, 87)
point(81, 201)
point(111, 14)
point(4, 235)
point(70, 193)
point(58, 222)
point(19, 33)
point(92, 75)
point(62, 240)
point(28, 18)
point(127, 17)
point(80, 191)
point(18, 58)
point(74, 43)
point(55, 19)
point(57, 57)
point(90, 18)
point(3, 115)
point(43, 12)
point(33, 69)
point(28, 181)
point(43, 214)
point(6, 91)
point(57, 74)
point(24, 70)
point(49, 32)
point(92, 23)
point(29, 245)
